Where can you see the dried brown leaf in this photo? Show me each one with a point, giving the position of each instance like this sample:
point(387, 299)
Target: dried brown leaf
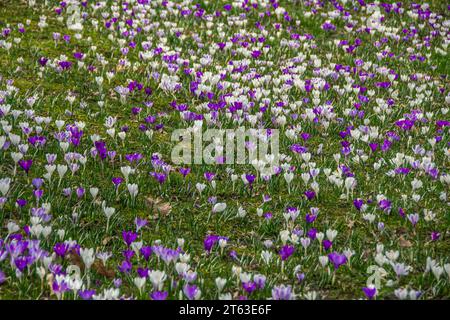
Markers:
point(158, 207)
point(75, 259)
point(404, 243)
point(103, 270)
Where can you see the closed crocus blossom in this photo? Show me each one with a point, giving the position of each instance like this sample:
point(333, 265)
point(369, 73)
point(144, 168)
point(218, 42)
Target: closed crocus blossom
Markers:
point(192, 292)
point(129, 237)
point(370, 292)
point(282, 292)
point(219, 207)
point(133, 189)
point(157, 279)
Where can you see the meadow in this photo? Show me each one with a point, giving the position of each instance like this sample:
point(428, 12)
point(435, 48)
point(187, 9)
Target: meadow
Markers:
point(93, 205)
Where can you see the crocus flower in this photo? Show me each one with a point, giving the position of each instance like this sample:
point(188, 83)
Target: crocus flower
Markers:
point(282, 292)
point(413, 218)
point(146, 252)
point(337, 259)
point(310, 218)
point(60, 288)
point(185, 171)
point(209, 176)
point(249, 286)
point(310, 194)
point(370, 291)
point(358, 203)
point(327, 244)
point(300, 276)
point(191, 291)
point(129, 237)
point(435, 236)
point(125, 266)
point(286, 251)
point(209, 242)
point(159, 295)
point(26, 165)
point(117, 181)
point(312, 233)
point(86, 294)
point(140, 223)
point(21, 202)
point(160, 177)
point(61, 249)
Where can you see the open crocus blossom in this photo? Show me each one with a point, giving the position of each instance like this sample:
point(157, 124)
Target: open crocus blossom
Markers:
point(263, 149)
point(337, 259)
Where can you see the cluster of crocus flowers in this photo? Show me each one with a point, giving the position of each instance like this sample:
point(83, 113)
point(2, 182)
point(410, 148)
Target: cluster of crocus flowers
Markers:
point(93, 206)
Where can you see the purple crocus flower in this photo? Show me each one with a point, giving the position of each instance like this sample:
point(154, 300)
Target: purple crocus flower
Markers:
point(249, 286)
point(65, 65)
point(43, 61)
point(435, 236)
point(61, 249)
point(385, 205)
point(159, 295)
point(146, 252)
point(60, 288)
point(250, 178)
point(260, 281)
point(227, 7)
point(300, 276)
point(312, 233)
point(38, 193)
point(37, 182)
point(191, 291)
point(413, 218)
point(26, 165)
point(370, 292)
point(80, 192)
point(78, 55)
point(358, 203)
point(310, 194)
point(21, 263)
point(185, 171)
point(86, 294)
point(143, 272)
point(100, 146)
point(160, 177)
point(310, 218)
point(327, 244)
point(117, 282)
point(282, 292)
point(21, 202)
point(328, 26)
point(337, 259)
point(129, 237)
point(209, 242)
point(256, 54)
point(209, 176)
point(125, 266)
point(140, 223)
point(128, 254)
point(286, 251)
point(117, 181)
